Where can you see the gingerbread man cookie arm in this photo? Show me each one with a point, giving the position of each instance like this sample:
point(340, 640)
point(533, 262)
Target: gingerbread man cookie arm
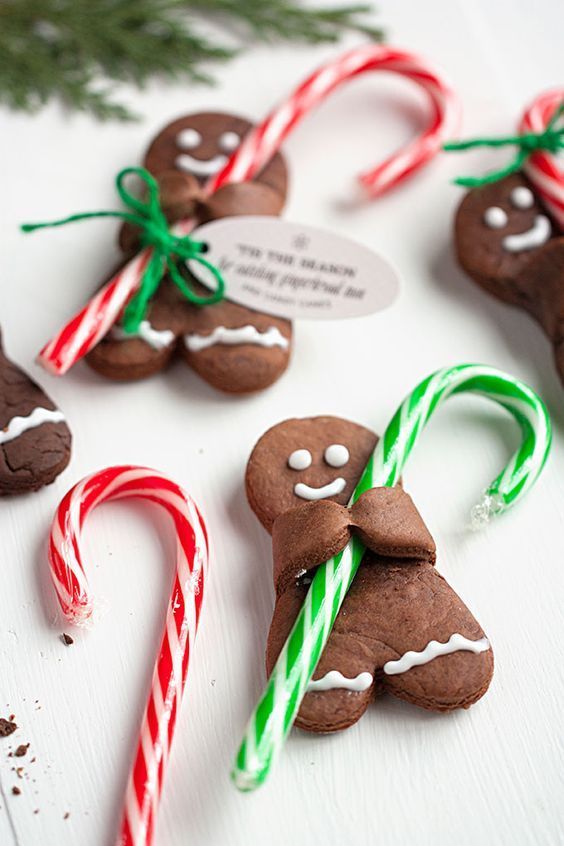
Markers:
point(385, 519)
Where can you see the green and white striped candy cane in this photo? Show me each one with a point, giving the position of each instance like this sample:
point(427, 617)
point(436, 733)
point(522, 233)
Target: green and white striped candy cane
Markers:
point(280, 702)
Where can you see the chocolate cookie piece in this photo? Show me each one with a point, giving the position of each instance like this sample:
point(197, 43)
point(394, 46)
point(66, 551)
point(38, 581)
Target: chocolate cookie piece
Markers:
point(508, 243)
point(34, 439)
point(401, 628)
point(233, 348)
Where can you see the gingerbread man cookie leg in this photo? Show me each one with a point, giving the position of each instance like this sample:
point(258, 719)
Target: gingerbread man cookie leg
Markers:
point(126, 357)
point(386, 535)
point(35, 441)
point(236, 349)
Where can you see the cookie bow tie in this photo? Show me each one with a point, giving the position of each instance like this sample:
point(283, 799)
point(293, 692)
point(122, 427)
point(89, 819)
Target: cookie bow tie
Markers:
point(385, 520)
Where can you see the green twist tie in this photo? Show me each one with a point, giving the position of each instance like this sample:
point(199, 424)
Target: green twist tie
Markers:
point(551, 140)
point(155, 233)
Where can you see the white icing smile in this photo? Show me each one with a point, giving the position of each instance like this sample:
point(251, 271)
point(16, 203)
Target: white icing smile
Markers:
point(335, 680)
point(200, 167)
point(155, 338)
point(233, 337)
point(536, 236)
point(18, 425)
point(335, 487)
point(455, 643)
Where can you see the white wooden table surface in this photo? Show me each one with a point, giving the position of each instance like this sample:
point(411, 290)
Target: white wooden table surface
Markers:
point(401, 776)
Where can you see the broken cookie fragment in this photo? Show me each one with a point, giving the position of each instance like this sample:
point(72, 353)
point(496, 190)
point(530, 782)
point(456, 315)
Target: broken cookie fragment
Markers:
point(7, 727)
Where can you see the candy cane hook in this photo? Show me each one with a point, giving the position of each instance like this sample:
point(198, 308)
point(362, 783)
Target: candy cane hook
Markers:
point(69, 578)
point(274, 715)
point(543, 168)
point(262, 142)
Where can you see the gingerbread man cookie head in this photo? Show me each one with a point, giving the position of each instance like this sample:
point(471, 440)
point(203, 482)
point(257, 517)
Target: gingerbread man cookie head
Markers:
point(304, 460)
point(499, 227)
point(199, 145)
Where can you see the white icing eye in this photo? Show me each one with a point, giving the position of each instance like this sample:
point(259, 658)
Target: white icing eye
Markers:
point(336, 455)
point(300, 459)
point(188, 139)
point(522, 198)
point(229, 141)
point(495, 218)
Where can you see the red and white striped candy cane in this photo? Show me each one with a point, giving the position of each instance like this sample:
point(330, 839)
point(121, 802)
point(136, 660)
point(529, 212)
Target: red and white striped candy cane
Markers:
point(67, 571)
point(90, 325)
point(262, 142)
point(542, 167)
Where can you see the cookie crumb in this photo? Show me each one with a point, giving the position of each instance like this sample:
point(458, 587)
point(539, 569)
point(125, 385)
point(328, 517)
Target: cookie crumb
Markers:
point(21, 750)
point(16, 790)
point(67, 639)
point(7, 727)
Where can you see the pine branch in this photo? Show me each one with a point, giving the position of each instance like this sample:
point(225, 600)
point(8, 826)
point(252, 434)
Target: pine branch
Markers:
point(287, 20)
point(74, 49)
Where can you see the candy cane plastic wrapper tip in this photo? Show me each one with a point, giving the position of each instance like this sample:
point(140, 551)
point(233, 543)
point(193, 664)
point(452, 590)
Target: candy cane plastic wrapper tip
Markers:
point(544, 169)
point(71, 584)
point(276, 711)
point(92, 323)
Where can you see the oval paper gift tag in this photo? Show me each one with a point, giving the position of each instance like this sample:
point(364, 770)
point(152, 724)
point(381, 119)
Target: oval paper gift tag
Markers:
point(295, 271)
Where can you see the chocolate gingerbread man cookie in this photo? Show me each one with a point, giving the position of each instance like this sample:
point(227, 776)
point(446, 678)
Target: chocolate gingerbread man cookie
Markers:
point(233, 348)
point(508, 243)
point(401, 628)
point(35, 441)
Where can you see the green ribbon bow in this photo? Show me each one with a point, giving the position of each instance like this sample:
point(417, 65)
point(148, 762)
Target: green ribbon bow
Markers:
point(167, 248)
point(551, 140)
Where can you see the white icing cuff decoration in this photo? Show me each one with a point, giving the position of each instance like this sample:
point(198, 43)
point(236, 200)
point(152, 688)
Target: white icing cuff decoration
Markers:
point(335, 487)
point(158, 339)
point(233, 337)
point(18, 425)
point(536, 236)
point(456, 643)
point(335, 680)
